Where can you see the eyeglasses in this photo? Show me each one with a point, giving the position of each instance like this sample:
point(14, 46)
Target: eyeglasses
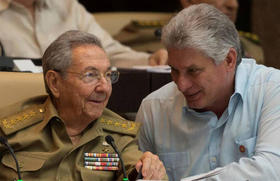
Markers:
point(93, 75)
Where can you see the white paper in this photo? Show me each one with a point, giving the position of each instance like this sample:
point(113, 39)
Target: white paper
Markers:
point(204, 175)
point(155, 69)
point(27, 65)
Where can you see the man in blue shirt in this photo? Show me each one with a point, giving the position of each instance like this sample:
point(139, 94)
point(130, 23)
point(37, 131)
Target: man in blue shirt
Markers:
point(220, 118)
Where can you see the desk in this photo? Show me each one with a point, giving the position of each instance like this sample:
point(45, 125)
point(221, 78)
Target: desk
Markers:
point(132, 87)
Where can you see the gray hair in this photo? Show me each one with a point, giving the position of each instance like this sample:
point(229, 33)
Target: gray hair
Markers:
point(58, 56)
point(204, 28)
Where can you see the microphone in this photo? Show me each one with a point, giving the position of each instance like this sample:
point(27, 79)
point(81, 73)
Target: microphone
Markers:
point(110, 140)
point(4, 141)
point(158, 32)
point(2, 50)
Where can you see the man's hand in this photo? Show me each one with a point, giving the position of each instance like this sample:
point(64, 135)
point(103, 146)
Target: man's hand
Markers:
point(159, 57)
point(152, 167)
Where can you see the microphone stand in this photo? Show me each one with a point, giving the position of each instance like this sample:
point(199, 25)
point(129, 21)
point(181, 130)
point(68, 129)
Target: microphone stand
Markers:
point(110, 140)
point(4, 141)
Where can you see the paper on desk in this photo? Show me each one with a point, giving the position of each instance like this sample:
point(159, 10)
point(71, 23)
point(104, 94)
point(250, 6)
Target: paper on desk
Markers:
point(158, 68)
point(27, 65)
point(204, 175)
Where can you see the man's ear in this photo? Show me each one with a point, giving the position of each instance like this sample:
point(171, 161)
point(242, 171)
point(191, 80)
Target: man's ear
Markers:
point(186, 3)
point(53, 80)
point(231, 59)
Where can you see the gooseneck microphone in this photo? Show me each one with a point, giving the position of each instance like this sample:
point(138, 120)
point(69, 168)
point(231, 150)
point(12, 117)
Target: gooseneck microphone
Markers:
point(110, 140)
point(4, 141)
point(2, 50)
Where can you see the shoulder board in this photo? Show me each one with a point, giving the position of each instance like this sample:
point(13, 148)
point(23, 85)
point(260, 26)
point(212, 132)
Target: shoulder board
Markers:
point(250, 36)
point(21, 120)
point(112, 122)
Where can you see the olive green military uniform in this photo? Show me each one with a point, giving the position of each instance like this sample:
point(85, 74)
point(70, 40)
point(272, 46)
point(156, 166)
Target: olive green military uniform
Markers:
point(141, 35)
point(251, 45)
point(45, 152)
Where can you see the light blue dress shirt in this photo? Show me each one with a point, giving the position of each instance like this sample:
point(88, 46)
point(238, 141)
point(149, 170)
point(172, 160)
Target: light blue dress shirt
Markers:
point(244, 141)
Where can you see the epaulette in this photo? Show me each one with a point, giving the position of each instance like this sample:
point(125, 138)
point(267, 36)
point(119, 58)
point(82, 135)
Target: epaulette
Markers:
point(112, 122)
point(250, 36)
point(23, 119)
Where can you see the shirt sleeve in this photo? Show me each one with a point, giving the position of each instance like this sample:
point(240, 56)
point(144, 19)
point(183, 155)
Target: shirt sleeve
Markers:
point(120, 55)
point(146, 136)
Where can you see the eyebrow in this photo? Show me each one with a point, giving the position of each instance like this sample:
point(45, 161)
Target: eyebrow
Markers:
point(94, 68)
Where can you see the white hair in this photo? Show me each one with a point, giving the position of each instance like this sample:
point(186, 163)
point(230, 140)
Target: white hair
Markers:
point(205, 28)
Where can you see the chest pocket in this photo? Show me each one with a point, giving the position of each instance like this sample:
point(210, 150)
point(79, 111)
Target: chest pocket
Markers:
point(26, 160)
point(176, 164)
point(246, 147)
point(89, 175)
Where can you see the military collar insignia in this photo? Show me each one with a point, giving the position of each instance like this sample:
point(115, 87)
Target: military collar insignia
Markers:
point(22, 119)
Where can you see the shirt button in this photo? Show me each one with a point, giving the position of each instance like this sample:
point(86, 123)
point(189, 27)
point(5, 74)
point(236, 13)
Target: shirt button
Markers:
point(213, 159)
point(242, 148)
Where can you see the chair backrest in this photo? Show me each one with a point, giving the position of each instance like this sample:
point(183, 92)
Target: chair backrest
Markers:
point(16, 86)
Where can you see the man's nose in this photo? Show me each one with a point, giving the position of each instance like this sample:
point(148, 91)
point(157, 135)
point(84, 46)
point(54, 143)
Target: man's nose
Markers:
point(103, 84)
point(231, 4)
point(183, 83)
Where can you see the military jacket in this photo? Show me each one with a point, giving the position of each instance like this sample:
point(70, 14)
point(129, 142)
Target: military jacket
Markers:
point(45, 152)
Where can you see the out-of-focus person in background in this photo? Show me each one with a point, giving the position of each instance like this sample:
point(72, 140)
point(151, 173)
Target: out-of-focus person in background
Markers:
point(221, 112)
point(62, 136)
point(268, 28)
point(249, 41)
point(29, 26)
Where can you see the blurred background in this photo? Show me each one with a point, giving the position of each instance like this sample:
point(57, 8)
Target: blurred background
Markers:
point(261, 17)
point(243, 21)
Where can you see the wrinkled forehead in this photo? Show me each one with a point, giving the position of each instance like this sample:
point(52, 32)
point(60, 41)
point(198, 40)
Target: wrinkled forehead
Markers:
point(89, 56)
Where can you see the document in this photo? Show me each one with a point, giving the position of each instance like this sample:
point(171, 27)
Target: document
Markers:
point(154, 69)
point(204, 175)
point(24, 65)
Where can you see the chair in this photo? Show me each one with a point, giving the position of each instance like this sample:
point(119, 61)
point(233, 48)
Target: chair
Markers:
point(16, 86)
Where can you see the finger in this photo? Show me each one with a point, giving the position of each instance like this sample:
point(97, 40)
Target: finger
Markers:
point(138, 165)
point(154, 167)
point(152, 62)
point(146, 161)
point(160, 173)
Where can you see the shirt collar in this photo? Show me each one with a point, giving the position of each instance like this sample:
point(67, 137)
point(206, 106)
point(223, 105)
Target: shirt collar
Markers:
point(241, 79)
point(50, 111)
point(241, 83)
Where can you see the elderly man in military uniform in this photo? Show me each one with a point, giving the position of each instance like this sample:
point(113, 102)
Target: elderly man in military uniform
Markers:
point(62, 136)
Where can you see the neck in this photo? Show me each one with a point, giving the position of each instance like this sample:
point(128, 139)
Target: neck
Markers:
point(74, 128)
point(75, 123)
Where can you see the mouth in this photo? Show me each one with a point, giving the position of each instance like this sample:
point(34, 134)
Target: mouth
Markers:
point(193, 96)
point(98, 99)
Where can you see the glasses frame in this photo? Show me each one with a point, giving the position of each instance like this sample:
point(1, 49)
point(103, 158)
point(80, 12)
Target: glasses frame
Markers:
point(98, 78)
